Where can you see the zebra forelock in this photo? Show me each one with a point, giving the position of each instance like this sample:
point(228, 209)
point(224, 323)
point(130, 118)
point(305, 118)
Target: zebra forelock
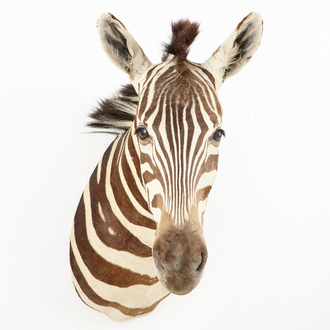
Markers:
point(184, 33)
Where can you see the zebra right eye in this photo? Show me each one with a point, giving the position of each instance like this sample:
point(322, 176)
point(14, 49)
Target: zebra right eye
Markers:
point(142, 132)
point(218, 134)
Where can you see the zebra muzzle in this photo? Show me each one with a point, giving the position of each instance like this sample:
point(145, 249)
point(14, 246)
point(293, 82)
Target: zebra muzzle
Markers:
point(180, 256)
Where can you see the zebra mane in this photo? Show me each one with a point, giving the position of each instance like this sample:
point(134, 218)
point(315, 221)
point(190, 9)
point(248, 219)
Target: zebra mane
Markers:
point(184, 33)
point(117, 113)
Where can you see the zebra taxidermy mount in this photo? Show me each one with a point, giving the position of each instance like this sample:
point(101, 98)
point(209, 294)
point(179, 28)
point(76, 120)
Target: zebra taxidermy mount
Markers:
point(138, 230)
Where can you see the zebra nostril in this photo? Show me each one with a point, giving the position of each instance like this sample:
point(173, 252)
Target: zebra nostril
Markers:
point(201, 263)
point(158, 263)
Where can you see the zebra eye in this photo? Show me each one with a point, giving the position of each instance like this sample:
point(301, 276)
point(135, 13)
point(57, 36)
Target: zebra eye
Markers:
point(218, 134)
point(142, 132)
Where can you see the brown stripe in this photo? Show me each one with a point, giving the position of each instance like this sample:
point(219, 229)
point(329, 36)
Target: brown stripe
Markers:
point(161, 85)
point(206, 103)
point(203, 193)
point(190, 125)
point(183, 177)
point(147, 176)
point(203, 89)
point(101, 269)
point(240, 24)
point(165, 164)
point(162, 179)
point(199, 144)
point(88, 291)
point(121, 198)
point(123, 240)
point(210, 76)
point(144, 100)
point(210, 165)
point(129, 178)
point(206, 72)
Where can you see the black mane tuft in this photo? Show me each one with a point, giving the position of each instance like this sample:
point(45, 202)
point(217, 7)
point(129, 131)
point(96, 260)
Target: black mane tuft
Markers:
point(116, 114)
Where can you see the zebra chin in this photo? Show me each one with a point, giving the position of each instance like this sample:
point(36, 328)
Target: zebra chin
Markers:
point(180, 255)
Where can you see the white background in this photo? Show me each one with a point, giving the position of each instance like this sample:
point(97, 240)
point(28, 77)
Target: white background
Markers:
point(268, 218)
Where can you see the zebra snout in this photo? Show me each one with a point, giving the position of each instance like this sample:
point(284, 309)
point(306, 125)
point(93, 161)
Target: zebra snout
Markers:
point(177, 265)
point(180, 260)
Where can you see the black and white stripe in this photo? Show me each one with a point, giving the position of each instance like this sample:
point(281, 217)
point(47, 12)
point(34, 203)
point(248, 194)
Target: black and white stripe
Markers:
point(137, 233)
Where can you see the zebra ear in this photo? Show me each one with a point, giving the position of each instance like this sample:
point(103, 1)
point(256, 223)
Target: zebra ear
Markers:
point(237, 50)
point(121, 47)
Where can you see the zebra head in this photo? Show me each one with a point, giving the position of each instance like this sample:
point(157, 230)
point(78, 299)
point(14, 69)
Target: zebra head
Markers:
point(177, 130)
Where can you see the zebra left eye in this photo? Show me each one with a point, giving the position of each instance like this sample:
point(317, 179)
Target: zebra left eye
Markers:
point(142, 132)
point(218, 134)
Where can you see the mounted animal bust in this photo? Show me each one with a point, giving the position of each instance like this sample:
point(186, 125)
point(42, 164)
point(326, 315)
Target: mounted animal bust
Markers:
point(138, 230)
